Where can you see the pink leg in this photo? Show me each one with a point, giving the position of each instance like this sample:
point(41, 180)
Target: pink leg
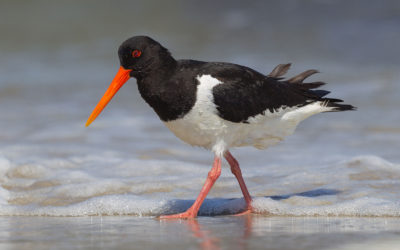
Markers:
point(213, 175)
point(238, 174)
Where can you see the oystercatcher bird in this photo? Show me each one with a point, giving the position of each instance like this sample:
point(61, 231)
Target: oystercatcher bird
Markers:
point(218, 105)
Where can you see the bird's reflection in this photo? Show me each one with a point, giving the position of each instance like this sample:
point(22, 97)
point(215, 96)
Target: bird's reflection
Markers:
point(208, 235)
point(207, 239)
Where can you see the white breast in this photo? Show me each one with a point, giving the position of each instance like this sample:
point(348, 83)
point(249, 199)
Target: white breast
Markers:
point(203, 127)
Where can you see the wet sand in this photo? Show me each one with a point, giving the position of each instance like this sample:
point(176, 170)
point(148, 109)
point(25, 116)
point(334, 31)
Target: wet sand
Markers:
point(221, 232)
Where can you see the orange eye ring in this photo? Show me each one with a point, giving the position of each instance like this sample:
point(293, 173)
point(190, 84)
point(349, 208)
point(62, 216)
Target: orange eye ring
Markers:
point(136, 53)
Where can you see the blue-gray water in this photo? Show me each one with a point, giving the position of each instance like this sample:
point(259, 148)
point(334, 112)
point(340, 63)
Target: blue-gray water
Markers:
point(57, 59)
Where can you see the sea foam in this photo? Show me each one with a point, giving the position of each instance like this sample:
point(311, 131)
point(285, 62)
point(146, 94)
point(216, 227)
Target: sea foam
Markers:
point(89, 186)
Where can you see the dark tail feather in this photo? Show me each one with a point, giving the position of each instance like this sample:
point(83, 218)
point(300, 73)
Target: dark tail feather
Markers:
point(308, 89)
point(330, 102)
point(279, 70)
point(300, 77)
point(320, 92)
point(312, 85)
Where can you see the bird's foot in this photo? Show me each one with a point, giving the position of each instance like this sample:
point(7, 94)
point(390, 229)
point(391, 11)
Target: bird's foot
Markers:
point(185, 215)
point(248, 211)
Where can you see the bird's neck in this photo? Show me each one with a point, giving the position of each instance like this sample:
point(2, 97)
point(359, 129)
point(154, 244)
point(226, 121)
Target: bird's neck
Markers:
point(156, 68)
point(153, 85)
point(166, 94)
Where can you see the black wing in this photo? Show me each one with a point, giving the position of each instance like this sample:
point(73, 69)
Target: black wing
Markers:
point(246, 93)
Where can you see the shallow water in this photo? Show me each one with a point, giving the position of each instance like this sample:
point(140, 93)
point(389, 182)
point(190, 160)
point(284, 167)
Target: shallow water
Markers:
point(224, 232)
point(127, 163)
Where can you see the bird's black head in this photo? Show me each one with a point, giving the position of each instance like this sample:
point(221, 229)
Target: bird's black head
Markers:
point(140, 56)
point(143, 55)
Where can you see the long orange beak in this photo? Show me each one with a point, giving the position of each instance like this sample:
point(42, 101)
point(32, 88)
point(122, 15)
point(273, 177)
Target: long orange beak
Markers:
point(120, 78)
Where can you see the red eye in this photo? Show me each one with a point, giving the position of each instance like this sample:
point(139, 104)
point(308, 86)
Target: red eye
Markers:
point(136, 53)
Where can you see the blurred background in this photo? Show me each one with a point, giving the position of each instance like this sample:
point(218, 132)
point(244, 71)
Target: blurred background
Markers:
point(58, 58)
